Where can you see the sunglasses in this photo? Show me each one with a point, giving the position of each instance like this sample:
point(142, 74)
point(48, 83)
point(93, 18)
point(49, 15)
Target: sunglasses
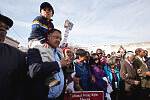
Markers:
point(4, 25)
point(100, 53)
point(96, 59)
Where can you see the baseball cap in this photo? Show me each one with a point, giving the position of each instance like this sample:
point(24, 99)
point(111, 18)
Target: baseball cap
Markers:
point(6, 20)
point(46, 4)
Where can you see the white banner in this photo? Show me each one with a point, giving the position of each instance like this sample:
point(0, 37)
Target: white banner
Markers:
point(68, 25)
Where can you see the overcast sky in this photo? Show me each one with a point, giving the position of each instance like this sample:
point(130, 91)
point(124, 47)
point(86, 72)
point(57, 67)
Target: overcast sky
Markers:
point(96, 22)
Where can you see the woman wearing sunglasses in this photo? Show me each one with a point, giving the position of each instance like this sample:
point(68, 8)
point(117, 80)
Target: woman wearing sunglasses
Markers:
point(99, 73)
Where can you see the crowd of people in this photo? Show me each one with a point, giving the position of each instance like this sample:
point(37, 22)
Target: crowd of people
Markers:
point(47, 72)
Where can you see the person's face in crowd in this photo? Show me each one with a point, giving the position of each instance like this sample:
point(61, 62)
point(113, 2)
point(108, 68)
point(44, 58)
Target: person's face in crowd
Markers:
point(75, 50)
point(3, 31)
point(118, 59)
point(72, 55)
point(87, 57)
point(82, 59)
point(146, 54)
point(113, 65)
point(113, 53)
point(46, 12)
point(132, 58)
point(108, 55)
point(68, 53)
point(103, 54)
point(54, 39)
point(142, 53)
point(91, 52)
point(96, 59)
point(99, 52)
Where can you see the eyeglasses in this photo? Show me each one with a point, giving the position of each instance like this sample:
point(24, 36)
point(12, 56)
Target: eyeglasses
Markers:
point(4, 25)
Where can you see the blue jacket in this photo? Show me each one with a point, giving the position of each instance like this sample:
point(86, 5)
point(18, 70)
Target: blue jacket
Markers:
point(39, 29)
point(109, 74)
point(39, 71)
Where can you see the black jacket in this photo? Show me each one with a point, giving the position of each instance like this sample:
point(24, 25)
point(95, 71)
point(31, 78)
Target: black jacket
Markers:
point(12, 73)
point(39, 71)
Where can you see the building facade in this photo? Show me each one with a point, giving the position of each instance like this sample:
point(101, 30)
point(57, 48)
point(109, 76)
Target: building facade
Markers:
point(11, 42)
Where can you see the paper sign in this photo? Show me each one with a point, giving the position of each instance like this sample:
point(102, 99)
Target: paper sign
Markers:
point(68, 25)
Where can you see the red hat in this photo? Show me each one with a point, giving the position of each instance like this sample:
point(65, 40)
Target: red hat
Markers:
point(63, 49)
